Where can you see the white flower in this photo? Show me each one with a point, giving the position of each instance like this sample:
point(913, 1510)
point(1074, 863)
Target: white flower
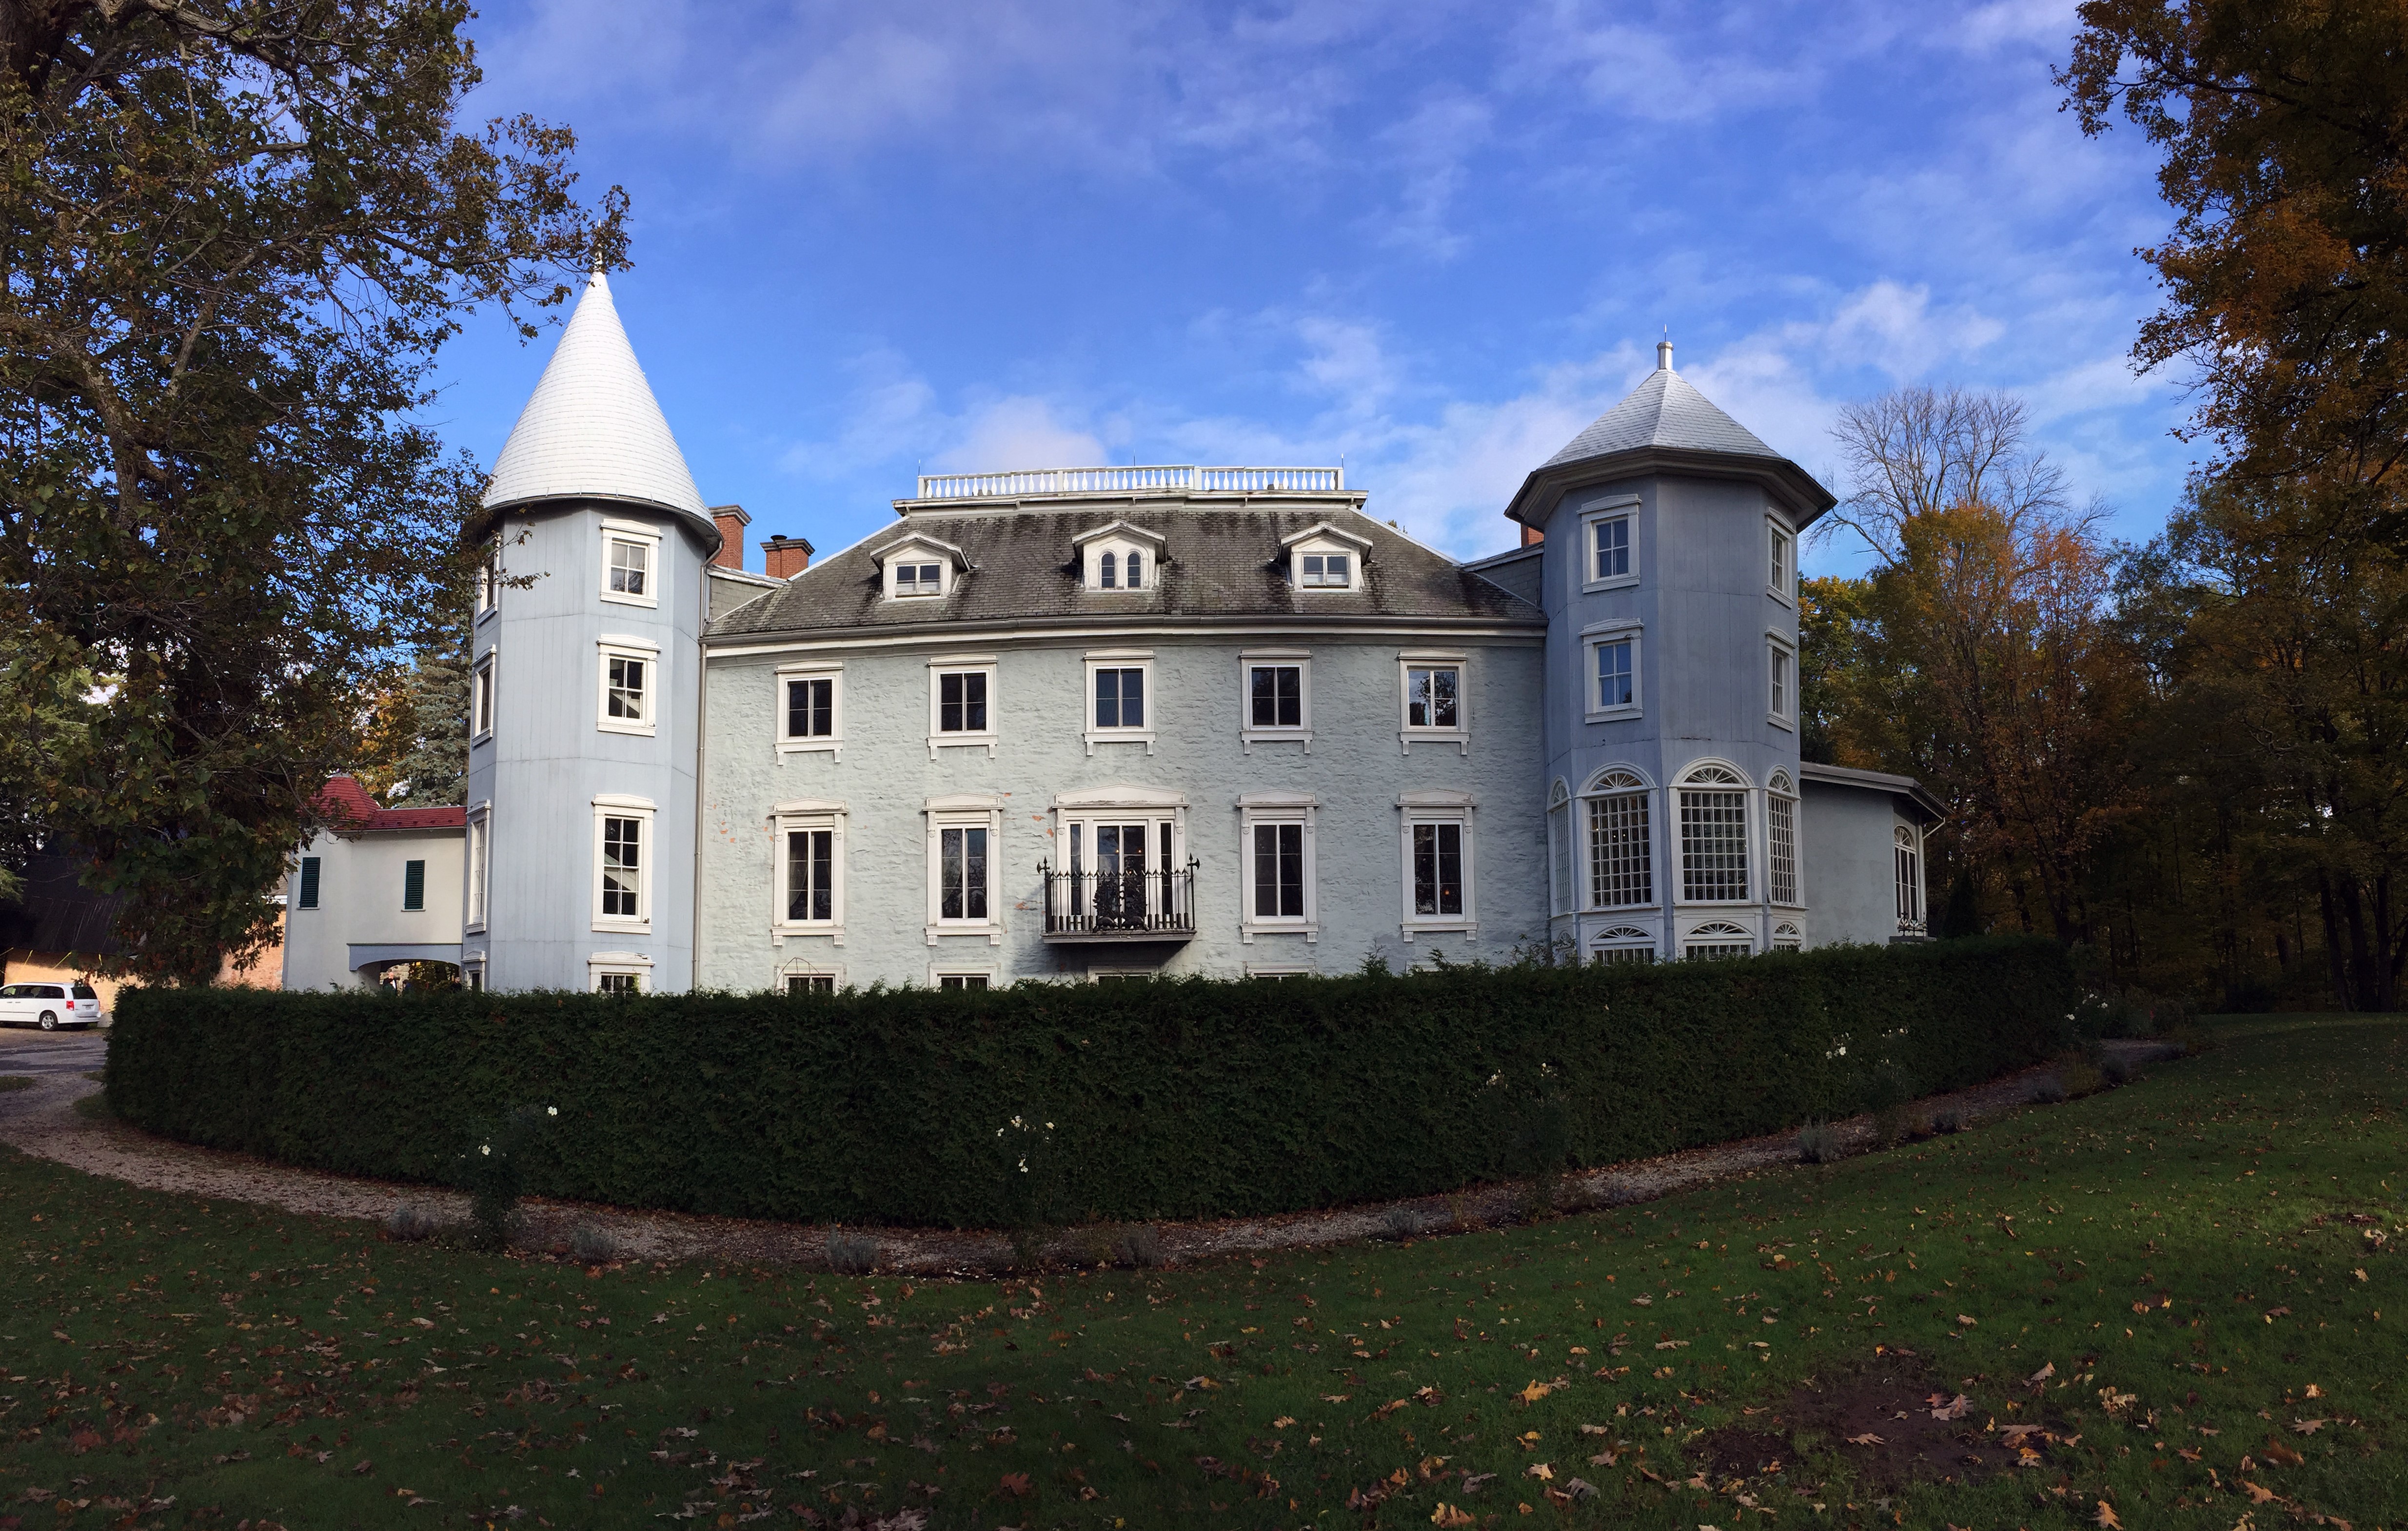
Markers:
point(551, 1111)
point(1023, 1167)
point(485, 1148)
point(1049, 1127)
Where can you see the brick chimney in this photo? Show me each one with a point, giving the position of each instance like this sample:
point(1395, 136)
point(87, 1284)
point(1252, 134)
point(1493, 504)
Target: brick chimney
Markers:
point(732, 521)
point(785, 556)
point(1531, 535)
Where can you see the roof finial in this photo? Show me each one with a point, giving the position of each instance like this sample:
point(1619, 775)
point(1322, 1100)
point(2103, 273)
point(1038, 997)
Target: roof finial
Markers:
point(1664, 351)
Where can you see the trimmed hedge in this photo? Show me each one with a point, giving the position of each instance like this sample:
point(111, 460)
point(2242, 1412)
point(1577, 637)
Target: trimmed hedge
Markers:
point(1182, 1099)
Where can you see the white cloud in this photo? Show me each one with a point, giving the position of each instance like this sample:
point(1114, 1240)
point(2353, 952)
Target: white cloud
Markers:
point(1020, 431)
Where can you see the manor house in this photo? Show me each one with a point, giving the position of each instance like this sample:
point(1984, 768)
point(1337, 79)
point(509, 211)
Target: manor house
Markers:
point(1086, 724)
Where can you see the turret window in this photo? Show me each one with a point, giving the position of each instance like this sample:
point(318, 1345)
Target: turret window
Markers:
point(630, 675)
point(1621, 847)
point(1780, 839)
point(1910, 881)
point(1609, 543)
point(1781, 582)
point(622, 864)
point(631, 557)
point(1714, 836)
point(1612, 541)
point(1611, 661)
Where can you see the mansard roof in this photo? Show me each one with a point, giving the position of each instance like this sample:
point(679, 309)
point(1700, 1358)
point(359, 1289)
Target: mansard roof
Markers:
point(1665, 426)
point(1221, 564)
point(592, 430)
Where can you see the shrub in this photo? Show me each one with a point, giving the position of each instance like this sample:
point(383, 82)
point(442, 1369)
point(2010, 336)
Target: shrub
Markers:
point(1818, 1143)
point(590, 1245)
point(1892, 1103)
point(2049, 1089)
point(2079, 1076)
point(1172, 1099)
point(850, 1254)
point(409, 1224)
point(493, 1169)
point(1139, 1246)
point(2116, 1067)
point(1406, 1221)
point(1948, 1119)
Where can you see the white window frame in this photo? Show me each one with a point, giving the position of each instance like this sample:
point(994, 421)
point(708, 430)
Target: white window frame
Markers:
point(1610, 945)
point(1780, 787)
point(477, 856)
point(1112, 659)
point(1614, 781)
point(472, 972)
point(806, 816)
point(627, 646)
point(633, 964)
point(1323, 539)
point(633, 531)
point(1249, 733)
point(1750, 833)
point(1907, 841)
point(1788, 935)
point(1562, 864)
point(1623, 508)
point(919, 552)
point(1120, 538)
point(1781, 561)
point(1276, 970)
point(831, 671)
point(940, 971)
point(488, 580)
point(1407, 735)
point(617, 805)
point(482, 703)
point(1781, 680)
point(1718, 932)
point(796, 967)
point(944, 664)
point(1278, 808)
point(1595, 635)
point(964, 810)
point(1436, 808)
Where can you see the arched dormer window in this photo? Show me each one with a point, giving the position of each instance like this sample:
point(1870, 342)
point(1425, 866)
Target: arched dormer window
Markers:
point(1106, 567)
point(1115, 556)
point(1620, 824)
point(1713, 836)
point(1136, 570)
point(1910, 881)
point(1780, 839)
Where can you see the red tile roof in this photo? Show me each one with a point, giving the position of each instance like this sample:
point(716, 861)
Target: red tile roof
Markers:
point(354, 812)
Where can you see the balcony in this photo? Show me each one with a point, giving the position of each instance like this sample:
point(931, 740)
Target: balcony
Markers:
point(1146, 906)
point(1167, 479)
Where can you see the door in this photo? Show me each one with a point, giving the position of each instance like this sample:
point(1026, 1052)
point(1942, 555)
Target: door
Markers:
point(13, 1009)
point(1120, 877)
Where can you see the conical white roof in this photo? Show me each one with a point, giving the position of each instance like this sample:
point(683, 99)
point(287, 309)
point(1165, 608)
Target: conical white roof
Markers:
point(592, 430)
point(1663, 411)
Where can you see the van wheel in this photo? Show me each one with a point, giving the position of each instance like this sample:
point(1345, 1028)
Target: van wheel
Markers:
point(49, 1021)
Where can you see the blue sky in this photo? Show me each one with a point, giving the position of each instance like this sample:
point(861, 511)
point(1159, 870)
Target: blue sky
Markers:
point(1432, 239)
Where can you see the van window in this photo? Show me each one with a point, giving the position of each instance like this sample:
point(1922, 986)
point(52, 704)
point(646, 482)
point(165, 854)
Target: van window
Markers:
point(85, 991)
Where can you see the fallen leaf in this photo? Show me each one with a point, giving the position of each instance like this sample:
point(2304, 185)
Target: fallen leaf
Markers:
point(2187, 1453)
point(2277, 1452)
point(2041, 1376)
point(2314, 1392)
point(1536, 1391)
point(2273, 1313)
point(1282, 1422)
point(1602, 1459)
point(1447, 1515)
point(2106, 1515)
point(1954, 1409)
point(2308, 1427)
point(1539, 1470)
point(1595, 1430)
point(2258, 1496)
point(1965, 1319)
point(1016, 1484)
point(1868, 1439)
point(1580, 1488)
point(1335, 1397)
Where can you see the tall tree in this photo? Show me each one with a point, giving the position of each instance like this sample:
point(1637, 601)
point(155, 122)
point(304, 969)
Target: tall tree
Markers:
point(415, 754)
point(2284, 127)
point(235, 233)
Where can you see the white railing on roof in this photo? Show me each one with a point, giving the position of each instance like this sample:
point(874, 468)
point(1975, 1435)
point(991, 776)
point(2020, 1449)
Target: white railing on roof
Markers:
point(1132, 481)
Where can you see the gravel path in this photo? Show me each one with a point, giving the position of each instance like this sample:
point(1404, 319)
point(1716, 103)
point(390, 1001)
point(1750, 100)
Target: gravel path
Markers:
point(43, 1121)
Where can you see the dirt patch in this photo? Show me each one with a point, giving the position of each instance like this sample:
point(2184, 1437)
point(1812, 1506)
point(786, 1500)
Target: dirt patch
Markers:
point(1893, 1420)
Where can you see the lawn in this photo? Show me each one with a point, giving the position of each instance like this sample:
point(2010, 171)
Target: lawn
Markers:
point(2195, 1267)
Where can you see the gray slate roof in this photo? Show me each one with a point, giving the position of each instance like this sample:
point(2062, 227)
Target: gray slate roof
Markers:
point(1663, 411)
point(1223, 563)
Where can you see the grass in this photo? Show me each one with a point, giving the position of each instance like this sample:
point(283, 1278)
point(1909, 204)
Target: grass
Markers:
point(2179, 1251)
point(15, 1081)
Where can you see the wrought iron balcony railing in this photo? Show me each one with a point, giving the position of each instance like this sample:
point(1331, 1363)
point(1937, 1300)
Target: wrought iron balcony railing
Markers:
point(1146, 906)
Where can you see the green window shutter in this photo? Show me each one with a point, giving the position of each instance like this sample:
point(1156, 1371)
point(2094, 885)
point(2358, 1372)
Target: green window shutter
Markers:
point(309, 882)
point(413, 884)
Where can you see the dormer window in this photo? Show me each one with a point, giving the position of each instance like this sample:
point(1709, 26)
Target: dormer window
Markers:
point(1322, 557)
point(1120, 556)
point(1326, 571)
point(919, 579)
point(920, 566)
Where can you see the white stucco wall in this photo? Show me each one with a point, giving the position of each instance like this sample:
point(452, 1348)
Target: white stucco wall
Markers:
point(1849, 835)
point(884, 777)
point(359, 881)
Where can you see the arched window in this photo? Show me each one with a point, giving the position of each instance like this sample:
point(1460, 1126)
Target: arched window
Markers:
point(1718, 942)
point(1714, 836)
point(1559, 846)
point(1105, 565)
point(1623, 943)
point(1787, 938)
point(1780, 839)
point(1136, 570)
point(1621, 850)
point(1909, 882)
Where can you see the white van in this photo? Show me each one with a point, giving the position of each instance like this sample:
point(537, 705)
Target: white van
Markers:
point(49, 1005)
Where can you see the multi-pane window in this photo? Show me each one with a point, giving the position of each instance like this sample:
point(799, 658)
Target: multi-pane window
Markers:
point(811, 983)
point(1276, 695)
point(1623, 943)
point(1438, 869)
point(1322, 571)
point(1713, 842)
point(622, 860)
point(1781, 683)
point(1136, 570)
point(810, 707)
point(1616, 684)
point(1120, 696)
point(617, 983)
point(810, 875)
point(962, 980)
point(1781, 826)
point(480, 829)
point(1784, 551)
point(1717, 943)
point(961, 871)
point(1431, 696)
point(1559, 843)
point(1612, 559)
point(481, 708)
point(631, 568)
point(624, 694)
point(488, 577)
point(413, 885)
point(310, 883)
point(1108, 571)
point(961, 702)
point(1910, 881)
point(919, 580)
point(1621, 857)
point(1279, 871)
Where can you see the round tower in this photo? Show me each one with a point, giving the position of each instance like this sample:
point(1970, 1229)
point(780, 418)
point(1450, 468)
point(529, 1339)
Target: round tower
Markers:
point(1668, 579)
point(584, 704)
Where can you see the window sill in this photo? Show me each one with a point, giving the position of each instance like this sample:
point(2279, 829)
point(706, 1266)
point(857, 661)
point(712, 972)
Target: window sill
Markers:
point(1120, 735)
point(1777, 720)
point(961, 741)
point(833, 748)
point(1251, 737)
point(625, 927)
point(475, 739)
point(1620, 582)
point(489, 612)
point(1408, 737)
point(1411, 928)
point(477, 929)
point(1783, 599)
point(782, 932)
point(991, 929)
point(617, 599)
point(621, 726)
point(1309, 929)
point(1616, 714)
